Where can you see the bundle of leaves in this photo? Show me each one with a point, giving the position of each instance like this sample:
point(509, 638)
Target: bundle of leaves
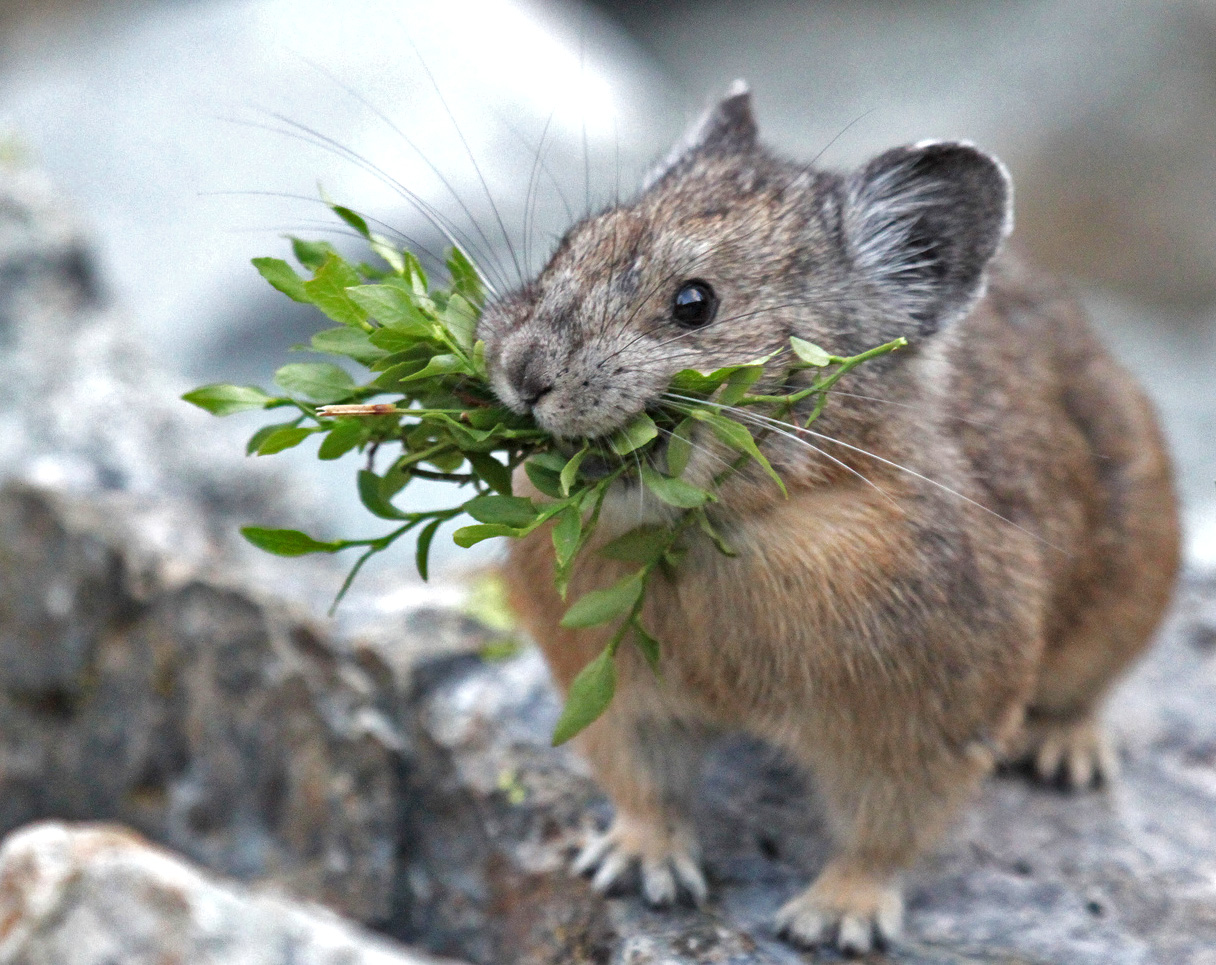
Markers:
point(427, 404)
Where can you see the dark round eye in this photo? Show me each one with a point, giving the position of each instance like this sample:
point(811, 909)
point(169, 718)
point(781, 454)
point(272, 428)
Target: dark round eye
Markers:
point(695, 304)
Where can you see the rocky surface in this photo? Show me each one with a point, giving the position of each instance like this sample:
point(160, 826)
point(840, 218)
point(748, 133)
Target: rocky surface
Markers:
point(1031, 875)
point(94, 895)
point(206, 716)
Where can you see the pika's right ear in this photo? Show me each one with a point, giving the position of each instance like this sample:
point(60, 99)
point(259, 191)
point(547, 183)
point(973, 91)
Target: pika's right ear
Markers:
point(726, 128)
point(923, 222)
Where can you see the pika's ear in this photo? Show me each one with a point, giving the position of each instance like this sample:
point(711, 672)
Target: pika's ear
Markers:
point(923, 222)
point(726, 128)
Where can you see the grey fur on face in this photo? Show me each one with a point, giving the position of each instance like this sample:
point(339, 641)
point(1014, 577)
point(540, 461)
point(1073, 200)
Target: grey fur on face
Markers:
point(898, 247)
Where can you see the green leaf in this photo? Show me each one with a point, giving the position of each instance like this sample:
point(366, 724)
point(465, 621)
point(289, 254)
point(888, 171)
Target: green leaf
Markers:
point(460, 317)
point(353, 343)
point(412, 270)
point(739, 382)
point(739, 438)
point(311, 254)
point(708, 529)
point(221, 399)
point(809, 352)
point(437, 365)
point(283, 277)
point(491, 471)
point(422, 551)
point(674, 492)
point(371, 495)
point(319, 382)
point(327, 290)
point(282, 439)
point(650, 647)
point(566, 535)
point(569, 473)
point(634, 435)
point(589, 696)
point(548, 481)
point(508, 510)
point(465, 280)
point(389, 252)
point(468, 536)
point(353, 219)
point(391, 305)
point(342, 438)
point(287, 542)
point(679, 447)
point(642, 545)
point(264, 433)
point(690, 380)
point(554, 461)
point(600, 606)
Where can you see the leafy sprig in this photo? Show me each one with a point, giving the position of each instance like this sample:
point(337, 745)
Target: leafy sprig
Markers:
point(426, 402)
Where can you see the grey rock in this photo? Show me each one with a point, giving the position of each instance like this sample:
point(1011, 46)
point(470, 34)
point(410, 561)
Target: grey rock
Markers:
point(94, 895)
point(82, 403)
point(1031, 875)
point(207, 716)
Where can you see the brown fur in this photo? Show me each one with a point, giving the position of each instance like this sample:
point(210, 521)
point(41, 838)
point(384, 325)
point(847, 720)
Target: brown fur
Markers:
point(893, 641)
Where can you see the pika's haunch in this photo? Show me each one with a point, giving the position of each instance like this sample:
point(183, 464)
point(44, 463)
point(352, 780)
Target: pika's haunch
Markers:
point(980, 534)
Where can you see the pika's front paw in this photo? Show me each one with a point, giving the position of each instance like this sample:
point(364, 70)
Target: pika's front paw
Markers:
point(851, 909)
point(1076, 754)
point(667, 857)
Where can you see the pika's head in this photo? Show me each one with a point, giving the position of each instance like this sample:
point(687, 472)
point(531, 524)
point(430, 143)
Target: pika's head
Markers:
point(728, 251)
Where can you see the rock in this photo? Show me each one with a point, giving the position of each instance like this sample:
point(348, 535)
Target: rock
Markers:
point(82, 403)
point(140, 688)
point(1030, 874)
point(94, 895)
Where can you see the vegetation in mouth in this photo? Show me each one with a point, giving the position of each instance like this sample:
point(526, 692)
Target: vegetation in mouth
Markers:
point(426, 411)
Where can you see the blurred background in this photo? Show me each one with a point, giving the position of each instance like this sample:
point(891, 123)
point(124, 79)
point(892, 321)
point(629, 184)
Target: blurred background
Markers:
point(191, 136)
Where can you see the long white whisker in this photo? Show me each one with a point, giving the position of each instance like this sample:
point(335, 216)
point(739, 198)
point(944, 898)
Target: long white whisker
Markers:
point(742, 413)
point(774, 423)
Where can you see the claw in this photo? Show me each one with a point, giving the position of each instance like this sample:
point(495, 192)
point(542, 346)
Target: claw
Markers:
point(1075, 754)
point(665, 854)
point(853, 910)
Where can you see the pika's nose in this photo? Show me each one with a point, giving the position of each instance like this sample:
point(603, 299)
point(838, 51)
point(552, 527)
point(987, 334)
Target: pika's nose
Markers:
point(531, 382)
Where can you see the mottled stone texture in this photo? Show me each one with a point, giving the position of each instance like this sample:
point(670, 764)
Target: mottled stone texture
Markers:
point(96, 895)
point(199, 713)
point(1031, 875)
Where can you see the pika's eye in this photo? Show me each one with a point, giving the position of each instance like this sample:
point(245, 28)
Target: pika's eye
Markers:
point(695, 304)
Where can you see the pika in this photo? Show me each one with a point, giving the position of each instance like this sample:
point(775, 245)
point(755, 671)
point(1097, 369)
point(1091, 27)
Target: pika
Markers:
point(980, 533)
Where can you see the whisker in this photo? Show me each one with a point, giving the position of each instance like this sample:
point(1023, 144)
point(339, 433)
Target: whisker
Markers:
point(437, 220)
point(351, 92)
point(741, 413)
point(933, 482)
point(768, 420)
point(472, 158)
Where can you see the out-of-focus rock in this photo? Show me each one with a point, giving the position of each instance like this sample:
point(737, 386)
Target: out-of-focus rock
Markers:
point(82, 405)
point(1120, 877)
point(134, 687)
point(95, 895)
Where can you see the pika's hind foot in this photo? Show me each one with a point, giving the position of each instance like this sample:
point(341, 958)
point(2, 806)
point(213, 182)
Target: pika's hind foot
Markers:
point(1076, 754)
point(666, 855)
point(847, 907)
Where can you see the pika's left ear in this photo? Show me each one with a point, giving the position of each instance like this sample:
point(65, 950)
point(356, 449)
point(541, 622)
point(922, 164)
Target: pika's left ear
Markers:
point(923, 222)
point(728, 127)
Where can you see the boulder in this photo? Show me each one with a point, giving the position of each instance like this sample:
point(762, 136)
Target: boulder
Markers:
point(204, 714)
point(94, 895)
